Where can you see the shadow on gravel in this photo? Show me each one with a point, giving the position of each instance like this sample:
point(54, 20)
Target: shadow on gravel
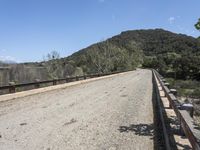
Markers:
point(139, 129)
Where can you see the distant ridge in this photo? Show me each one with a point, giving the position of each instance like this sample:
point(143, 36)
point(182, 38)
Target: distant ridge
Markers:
point(153, 48)
point(8, 61)
point(176, 55)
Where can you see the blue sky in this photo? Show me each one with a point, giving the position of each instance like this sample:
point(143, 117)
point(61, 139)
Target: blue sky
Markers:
point(29, 29)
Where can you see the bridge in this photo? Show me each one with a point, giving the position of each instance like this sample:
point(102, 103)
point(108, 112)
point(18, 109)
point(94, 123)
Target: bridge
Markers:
point(116, 111)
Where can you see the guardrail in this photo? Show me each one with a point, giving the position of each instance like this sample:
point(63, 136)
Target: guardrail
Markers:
point(186, 121)
point(12, 87)
point(160, 108)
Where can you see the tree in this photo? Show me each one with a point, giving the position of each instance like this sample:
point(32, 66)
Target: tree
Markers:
point(68, 69)
point(197, 25)
point(108, 57)
point(53, 55)
point(20, 74)
point(53, 65)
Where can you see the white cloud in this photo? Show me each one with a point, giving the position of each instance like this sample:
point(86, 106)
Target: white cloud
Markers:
point(171, 20)
point(8, 58)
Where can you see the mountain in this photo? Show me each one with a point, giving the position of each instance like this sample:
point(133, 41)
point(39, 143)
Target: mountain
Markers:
point(160, 49)
point(172, 54)
point(8, 62)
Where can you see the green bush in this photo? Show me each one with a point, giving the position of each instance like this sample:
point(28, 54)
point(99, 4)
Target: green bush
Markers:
point(185, 88)
point(196, 93)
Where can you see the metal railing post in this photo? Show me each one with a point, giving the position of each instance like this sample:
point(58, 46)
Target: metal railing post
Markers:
point(84, 77)
point(55, 82)
point(37, 85)
point(12, 89)
point(77, 78)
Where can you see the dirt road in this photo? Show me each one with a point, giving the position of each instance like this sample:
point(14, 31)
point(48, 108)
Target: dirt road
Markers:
point(114, 113)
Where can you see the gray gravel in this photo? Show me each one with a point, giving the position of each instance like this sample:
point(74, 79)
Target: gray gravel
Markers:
point(114, 113)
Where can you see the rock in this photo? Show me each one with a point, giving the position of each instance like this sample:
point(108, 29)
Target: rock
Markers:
point(22, 124)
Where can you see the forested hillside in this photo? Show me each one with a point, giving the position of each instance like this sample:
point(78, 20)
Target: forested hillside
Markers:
point(174, 54)
point(171, 53)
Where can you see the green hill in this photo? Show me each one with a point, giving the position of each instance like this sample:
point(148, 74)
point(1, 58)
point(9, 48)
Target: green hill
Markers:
point(173, 54)
point(159, 49)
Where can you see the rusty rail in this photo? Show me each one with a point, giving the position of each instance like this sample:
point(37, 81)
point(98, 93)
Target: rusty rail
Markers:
point(12, 88)
point(188, 126)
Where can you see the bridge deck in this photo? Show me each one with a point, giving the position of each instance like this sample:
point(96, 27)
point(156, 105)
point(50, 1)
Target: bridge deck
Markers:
point(111, 113)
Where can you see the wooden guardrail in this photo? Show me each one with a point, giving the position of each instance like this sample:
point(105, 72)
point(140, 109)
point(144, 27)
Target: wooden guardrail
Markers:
point(37, 84)
point(187, 124)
